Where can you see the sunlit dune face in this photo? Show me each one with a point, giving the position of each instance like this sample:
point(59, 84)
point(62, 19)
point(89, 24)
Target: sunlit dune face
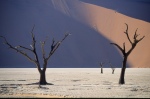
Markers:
point(110, 24)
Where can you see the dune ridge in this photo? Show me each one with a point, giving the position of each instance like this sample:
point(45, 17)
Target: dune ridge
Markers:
point(111, 24)
point(93, 28)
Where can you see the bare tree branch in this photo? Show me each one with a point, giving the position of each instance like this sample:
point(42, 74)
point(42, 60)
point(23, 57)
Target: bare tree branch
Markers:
point(33, 39)
point(43, 51)
point(126, 54)
point(124, 49)
point(113, 69)
point(15, 48)
point(42, 46)
point(135, 41)
point(135, 35)
point(25, 48)
point(140, 39)
point(118, 47)
point(110, 65)
point(101, 64)
point(67, 34)
point(54, 47)
point(126, 32)
point(34, 48)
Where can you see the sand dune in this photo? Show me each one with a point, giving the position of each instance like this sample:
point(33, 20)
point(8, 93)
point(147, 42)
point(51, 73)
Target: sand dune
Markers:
point(93, 28)
point(75, 83)
point(111, 24)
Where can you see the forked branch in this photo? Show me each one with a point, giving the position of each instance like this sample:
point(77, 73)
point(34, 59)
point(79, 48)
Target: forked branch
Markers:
point(126, 54)
point(123, 50)
point(33, 50)
point(16, 49)
point(101, 64)
point(56, 45)
point(135, 37)
point(126, 32)
point(113, 69)
point(118, 47)
point(42, 47)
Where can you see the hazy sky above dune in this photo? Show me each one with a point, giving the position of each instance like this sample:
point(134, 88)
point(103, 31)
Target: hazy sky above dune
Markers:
point(53, 18)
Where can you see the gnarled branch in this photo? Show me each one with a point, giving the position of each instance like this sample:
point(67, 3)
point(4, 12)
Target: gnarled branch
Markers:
point(55, 46)
point(126, 32)
point(113, 69)
point(16, 49)
point(111, 65)
point(33, 50)
point(42, 46)
point(101, 64)
point(135, 37)
point(126, 54)
point(118, 47)
point(132, 43)
point(140, 39)
point(24, 48)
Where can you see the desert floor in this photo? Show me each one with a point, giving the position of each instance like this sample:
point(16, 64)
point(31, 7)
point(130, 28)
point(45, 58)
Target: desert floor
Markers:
point(75, 83)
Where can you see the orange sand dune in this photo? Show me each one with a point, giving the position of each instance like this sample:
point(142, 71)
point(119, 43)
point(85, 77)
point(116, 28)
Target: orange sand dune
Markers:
point(110, 24)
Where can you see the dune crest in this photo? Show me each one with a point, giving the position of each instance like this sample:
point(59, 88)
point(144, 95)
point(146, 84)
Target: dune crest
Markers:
point(110, 24)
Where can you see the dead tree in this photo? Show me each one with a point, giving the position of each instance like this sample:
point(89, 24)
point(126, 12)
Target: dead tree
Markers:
point(23, 50)
point(126, 54)
point(101, 66)
point(113, 69)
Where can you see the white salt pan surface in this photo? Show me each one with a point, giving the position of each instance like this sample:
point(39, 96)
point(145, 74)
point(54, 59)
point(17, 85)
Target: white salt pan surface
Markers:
point(75, 82)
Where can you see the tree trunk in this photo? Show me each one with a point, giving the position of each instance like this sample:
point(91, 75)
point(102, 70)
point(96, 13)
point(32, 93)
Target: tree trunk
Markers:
point(113, 71)
point(42, 78)
point(121, 80)
point(101, 70)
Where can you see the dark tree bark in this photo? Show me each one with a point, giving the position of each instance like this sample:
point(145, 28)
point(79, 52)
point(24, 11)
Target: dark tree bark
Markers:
point(113, 69)
point(126, 54)
point(101, 70)
point(42, 78)
point(101, 66)
point(22, 50)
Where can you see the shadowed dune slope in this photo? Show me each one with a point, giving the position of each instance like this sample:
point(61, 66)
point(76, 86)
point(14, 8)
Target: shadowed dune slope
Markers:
point(92, 28)
point(84, 48)
point(110, 24)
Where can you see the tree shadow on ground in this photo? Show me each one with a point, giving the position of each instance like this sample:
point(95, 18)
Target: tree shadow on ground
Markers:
point(37, 83)
point(3, 86)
